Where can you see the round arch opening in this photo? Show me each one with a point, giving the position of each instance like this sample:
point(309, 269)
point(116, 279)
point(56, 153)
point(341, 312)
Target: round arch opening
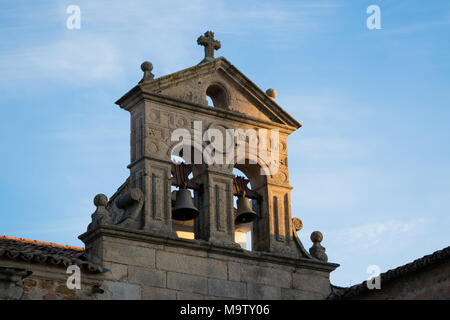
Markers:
point(218, 96)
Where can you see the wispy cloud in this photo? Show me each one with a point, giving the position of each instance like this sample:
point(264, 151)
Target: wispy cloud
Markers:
point(109, 42)
point(381, 234)
point(97, 140)
point(82, 62)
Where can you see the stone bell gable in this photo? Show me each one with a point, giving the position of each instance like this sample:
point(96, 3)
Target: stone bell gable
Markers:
point(139, 228)
point(160, 106)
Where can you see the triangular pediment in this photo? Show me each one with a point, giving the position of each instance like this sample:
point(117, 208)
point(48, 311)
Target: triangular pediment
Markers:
point(229, 88)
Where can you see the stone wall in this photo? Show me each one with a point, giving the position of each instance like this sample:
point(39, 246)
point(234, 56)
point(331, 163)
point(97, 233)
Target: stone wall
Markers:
point(144, 267)
point(48, 282)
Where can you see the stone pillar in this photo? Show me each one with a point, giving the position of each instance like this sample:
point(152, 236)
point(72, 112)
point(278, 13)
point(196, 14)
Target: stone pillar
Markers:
point(215, 202)
point(11, 287)
point(150, 170)
point(273, 228)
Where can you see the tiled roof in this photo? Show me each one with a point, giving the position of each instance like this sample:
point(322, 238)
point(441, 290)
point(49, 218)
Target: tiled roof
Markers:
point(45, 252)
point(393, 274)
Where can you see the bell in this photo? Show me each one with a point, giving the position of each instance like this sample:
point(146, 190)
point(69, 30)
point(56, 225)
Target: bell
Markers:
point(184, 208)
point(244, 212)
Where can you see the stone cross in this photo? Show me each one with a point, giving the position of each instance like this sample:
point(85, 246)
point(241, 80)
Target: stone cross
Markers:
point(210, 45)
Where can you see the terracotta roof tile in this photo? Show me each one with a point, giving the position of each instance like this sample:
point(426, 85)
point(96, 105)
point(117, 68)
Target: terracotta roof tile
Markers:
point(45, 252)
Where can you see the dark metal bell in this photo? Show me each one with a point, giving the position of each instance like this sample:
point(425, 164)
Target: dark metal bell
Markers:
point(184, 208)
point(244, 212)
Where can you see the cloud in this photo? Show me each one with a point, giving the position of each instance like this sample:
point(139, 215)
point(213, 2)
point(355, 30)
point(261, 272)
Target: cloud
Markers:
point(96, 140)
point(380, 234)
point(81, 61)
point(117, 36)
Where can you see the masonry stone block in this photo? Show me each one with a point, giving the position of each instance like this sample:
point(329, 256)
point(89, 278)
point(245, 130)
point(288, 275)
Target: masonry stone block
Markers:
point(262, 292)
point(130, 254)
point(186, 251)
point(230, 289)
point(191, 265)
point(309, 280)
point(115, 290)
point(292, 294)
point(234, 271)
point(218, 298)
point(153, 293)
point(116, 271)
point(268, 276)
point(147, 277)
point(185, 282)
point(189, 296)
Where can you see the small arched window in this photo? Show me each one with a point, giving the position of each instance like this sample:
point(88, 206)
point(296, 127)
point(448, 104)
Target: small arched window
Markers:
point(218, 95)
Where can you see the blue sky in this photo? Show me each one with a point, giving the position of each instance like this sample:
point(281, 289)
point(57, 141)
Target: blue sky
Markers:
point(370, 167)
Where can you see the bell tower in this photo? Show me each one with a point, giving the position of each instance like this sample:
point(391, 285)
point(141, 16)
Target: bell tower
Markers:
point(182, 190)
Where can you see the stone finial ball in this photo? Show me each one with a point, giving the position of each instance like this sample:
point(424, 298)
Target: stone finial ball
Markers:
point(271, 93)
point(316, 236)
point(100, 200)
point(146, 66)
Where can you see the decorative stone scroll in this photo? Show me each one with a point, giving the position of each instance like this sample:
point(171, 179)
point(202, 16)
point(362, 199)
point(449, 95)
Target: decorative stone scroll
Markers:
point(132, 202)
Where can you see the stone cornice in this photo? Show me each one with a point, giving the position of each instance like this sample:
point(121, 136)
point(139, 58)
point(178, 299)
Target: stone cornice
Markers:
point(137, 95)
point(200, 245)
